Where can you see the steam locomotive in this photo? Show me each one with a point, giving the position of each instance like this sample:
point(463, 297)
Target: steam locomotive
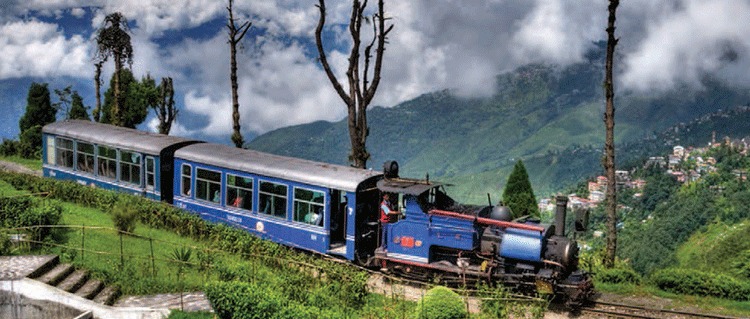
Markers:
point(329, 209)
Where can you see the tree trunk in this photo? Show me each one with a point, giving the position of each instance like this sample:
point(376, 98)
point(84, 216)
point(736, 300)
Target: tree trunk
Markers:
point(235, 36)
point(236, 135)
point(115, 112)
point(98, 84)
point(609, 146)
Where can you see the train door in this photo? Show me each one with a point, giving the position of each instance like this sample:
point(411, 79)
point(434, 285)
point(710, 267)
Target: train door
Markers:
point(338, 218)
point(366, 224)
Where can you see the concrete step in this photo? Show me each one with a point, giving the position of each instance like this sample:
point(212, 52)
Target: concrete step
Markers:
point(108, 295)
point(50, 261)
point(90, 289)
point(74, 281)
point(56, 275)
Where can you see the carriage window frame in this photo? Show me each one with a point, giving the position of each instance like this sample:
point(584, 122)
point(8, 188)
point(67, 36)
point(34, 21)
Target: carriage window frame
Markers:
point(263, 197)
point(106, 166)
point(186, 174)
point(246, 204)
point(64, 149)
point(130, 167)
point(51, 150)
point(85, 159)
point(203, 178)
point(150, 173)
point(305, 209)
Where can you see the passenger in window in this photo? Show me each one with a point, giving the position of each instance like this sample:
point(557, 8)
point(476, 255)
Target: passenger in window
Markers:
point(238, 201)
point(216, 197)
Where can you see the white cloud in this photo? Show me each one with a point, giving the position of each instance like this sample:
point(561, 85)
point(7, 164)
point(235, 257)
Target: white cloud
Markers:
point(78, 12)
point(33, 48)
point(704, 37)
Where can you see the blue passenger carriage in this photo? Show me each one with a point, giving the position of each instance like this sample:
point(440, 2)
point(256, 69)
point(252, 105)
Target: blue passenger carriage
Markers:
point(299, 203)
point(111, 157)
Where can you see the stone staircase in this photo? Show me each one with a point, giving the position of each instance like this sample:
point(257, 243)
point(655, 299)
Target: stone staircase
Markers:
point(66, 277)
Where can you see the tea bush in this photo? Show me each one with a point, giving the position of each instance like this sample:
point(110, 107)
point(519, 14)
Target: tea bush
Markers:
point(618, 276)
point(693, 282)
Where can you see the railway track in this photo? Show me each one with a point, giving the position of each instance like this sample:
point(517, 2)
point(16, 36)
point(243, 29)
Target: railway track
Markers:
point(617, 310)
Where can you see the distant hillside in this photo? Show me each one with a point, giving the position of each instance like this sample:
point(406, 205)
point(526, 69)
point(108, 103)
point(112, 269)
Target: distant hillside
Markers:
point(548, 116)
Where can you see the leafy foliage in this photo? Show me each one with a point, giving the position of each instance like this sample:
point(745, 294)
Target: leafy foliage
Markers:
point(518, 194)
point(77, 110)
point(5, 244)
point(441, 303)
point(26, 211)
point(135, 100)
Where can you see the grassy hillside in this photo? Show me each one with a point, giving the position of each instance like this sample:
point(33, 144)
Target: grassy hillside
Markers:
point(548, 116)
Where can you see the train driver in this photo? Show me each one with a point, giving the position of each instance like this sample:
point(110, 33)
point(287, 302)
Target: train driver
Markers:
point(387, 215)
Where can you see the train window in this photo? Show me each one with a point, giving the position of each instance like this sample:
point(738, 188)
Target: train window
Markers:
point(272, 199)
point(150, 172)
point(240, 192)
point(85, 159)
point(107, 158)
point(187, 178)
point(51, 150)
point(308, 206)
point(208, 185)
point(64, 152)
point(130, 167)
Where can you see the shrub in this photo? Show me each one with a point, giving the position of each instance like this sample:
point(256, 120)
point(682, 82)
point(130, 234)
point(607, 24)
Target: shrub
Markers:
point(9, 147)
point(5, 245)
point(693, 282)
point(239, 300)
point(124, 215)
point(26, 211)
point(441, 303)
point(618, 276)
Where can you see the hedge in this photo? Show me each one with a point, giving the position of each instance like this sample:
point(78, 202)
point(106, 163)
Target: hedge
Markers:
point(26, 211)
point(693, 282)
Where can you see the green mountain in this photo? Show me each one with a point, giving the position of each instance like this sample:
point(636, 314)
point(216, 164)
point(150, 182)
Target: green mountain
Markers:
point(551, 117)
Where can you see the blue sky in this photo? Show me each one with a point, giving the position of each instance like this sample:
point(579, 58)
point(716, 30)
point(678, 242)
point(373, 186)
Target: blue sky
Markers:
point(434, 45)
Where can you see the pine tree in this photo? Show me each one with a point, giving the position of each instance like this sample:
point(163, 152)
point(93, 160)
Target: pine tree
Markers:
point(39, 110)
point(134, 107)
point(77, 110)
point(518, 194)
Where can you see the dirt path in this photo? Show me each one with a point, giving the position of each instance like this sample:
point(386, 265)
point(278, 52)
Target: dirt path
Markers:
point(18, 168)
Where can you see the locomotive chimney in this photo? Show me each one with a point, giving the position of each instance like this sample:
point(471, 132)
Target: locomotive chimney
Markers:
point(562, 205)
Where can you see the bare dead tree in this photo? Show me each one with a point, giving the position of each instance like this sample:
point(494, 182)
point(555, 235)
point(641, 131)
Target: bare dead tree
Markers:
point(235, 36)
point(98, 85)
point(361, 89)
point(609, 144)
point(164, 107)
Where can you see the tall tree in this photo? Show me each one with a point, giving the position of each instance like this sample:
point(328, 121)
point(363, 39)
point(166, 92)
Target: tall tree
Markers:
point(98, 84)
point(164, 107)
point(77, 110)
point(135, 102)
point(235, 36)
point(361, 89)
point(518, 194)
point(39, 109)
point(113, 40)
point(609, 143)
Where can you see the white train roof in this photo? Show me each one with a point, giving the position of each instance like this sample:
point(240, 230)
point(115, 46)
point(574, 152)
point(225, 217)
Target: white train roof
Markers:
point(294, 169)
point(105, 134)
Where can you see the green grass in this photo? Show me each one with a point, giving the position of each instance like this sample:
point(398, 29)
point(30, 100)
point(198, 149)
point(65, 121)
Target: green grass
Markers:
point(34, 164)
point(176, 314)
